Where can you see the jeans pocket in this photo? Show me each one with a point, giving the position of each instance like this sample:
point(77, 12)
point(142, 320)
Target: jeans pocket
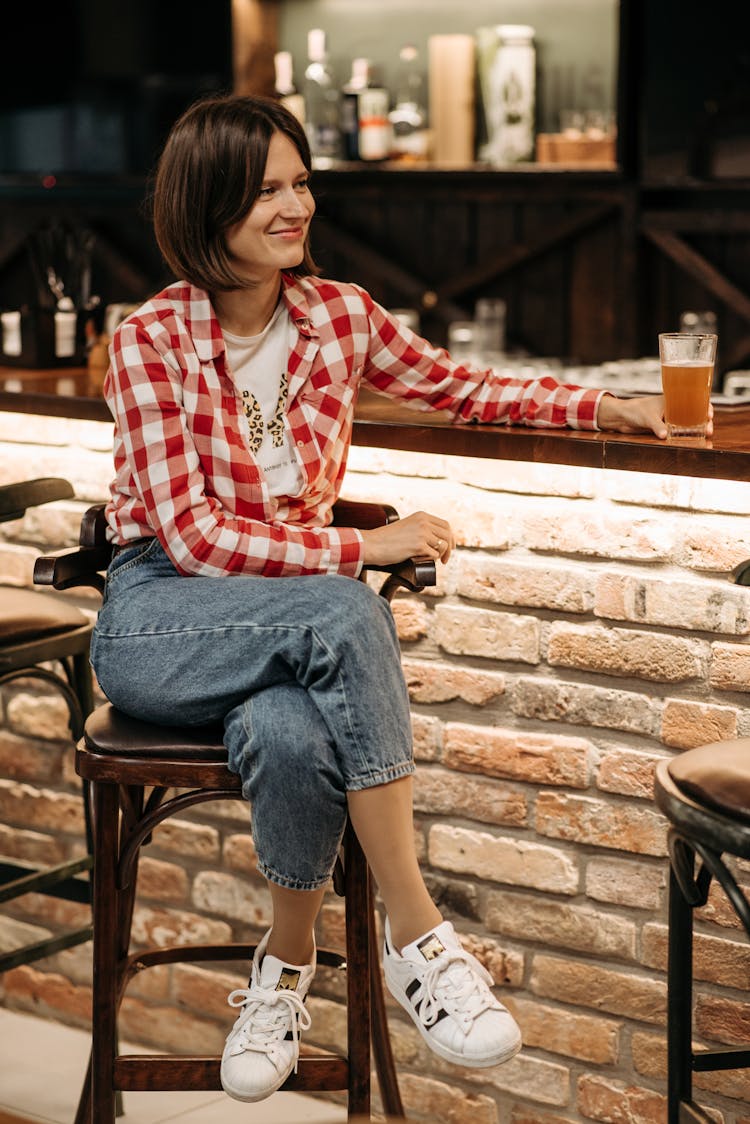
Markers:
point(129, 557)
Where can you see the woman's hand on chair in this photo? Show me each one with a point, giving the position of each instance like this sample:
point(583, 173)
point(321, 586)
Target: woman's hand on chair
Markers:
point(417, 536)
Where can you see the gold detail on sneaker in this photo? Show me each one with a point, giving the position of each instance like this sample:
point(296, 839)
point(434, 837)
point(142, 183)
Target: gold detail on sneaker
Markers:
point(431, 947)
point(288, 980)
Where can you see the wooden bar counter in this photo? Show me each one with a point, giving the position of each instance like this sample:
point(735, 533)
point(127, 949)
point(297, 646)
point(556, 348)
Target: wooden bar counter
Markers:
point(382, 423)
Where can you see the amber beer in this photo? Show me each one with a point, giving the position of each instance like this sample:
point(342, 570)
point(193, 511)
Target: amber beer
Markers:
point(687, 368)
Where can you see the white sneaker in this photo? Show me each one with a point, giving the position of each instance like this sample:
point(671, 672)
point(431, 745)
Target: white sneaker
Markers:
point(447, 993)
point(262, 1047)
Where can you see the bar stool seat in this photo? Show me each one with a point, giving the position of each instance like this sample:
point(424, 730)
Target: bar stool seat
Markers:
point(38, 630)
point(705, 795)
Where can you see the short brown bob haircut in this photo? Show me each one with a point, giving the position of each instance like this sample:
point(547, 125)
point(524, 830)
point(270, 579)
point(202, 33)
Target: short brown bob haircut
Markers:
point(207, 179)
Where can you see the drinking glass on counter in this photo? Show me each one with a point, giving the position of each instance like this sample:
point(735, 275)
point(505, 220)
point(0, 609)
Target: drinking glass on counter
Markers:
point(687, 369)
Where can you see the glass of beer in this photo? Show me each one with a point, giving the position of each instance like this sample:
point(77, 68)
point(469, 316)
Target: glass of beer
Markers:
point(687, 370)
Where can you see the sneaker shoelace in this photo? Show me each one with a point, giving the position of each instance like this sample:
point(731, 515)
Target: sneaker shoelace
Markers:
point(267, 1018)
point(457, 982)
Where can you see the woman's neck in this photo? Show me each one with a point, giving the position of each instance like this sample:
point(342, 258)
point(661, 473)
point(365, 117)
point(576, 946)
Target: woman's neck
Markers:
point(245, 312)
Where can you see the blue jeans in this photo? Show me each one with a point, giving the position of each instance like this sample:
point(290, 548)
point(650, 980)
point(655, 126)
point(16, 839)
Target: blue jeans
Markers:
point(304, 672)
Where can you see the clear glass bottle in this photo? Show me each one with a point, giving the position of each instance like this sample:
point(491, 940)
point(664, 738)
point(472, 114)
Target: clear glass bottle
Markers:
point(512, 93)
point(321, 103)
point(286, 91)
point(408, 118)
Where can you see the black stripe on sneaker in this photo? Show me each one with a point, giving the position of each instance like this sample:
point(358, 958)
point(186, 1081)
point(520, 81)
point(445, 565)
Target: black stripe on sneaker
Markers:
point(413, 986)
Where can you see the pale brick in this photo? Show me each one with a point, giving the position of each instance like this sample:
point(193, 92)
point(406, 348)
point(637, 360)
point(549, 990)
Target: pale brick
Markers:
point(702, 605)
point(39, 716)
point(441, 792)
point(730, 667)
point(586, 1037)
point(596, 532)
point(585, 984)
point(14, 934)
point(239, 853)
point(558, 924)
point(31, 846)
point(715, 959)
point(165, 881)
point(40, 808)
point(493, 635)
point(526, 478)
point(23, 760)
point(56, 913)
point(191, 840)
point(48, 995)
point(232, 897)
point(649, 1054)
point(687, 724)
point(625, 652)
point(628, 773)
point(449, 1104)
point(579, 703)
point(728, 496)
point(548, 586)
point(160, 927)
point(532, 1078)
point(718, 908)
point(517, 862)
point(624, 882)
point(169, 1028)
point(427, 734)
point(411, 617)
point(17, 564)
point(582, 819)
point(525, 1114)
point(646, 489)
point(432, 682)
point(614, 1102)
point(518, 755)
point(716, 545)
point(205, 990)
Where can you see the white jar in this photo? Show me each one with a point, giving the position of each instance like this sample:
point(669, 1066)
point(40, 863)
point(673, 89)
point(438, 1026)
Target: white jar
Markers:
point(374, 126)
point(512, 94)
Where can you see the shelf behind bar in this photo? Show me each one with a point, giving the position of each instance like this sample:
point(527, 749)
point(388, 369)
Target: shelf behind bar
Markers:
point(383, 424)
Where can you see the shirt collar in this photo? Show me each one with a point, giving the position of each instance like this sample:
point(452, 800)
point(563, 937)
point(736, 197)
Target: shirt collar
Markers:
point(205, 330)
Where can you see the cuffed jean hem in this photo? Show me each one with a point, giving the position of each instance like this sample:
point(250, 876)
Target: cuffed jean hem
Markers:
point(384, 776)
point(291, 883)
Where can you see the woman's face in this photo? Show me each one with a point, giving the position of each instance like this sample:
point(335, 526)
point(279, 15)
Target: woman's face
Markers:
point(271, 236)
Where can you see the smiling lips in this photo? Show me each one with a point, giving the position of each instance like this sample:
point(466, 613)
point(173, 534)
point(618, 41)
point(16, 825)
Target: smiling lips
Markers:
point(289, 232)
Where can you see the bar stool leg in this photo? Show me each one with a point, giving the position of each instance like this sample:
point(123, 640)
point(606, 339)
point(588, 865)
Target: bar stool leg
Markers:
point(358, 953)
point(679, 1000)
point(106, 975)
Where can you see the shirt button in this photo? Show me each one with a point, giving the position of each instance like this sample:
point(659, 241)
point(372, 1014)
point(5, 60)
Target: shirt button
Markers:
point(300, 444)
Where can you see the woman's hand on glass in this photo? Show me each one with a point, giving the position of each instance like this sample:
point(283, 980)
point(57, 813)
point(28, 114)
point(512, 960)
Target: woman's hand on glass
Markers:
point(636, 415)
point(417, 536)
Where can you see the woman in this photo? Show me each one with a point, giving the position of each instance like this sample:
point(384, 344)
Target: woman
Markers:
point(233, 393)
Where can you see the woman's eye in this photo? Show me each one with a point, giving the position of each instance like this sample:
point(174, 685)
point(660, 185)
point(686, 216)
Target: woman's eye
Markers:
point(302, 185)
point(266, 192)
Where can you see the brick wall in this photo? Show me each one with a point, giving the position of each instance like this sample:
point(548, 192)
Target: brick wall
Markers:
point(584, 629)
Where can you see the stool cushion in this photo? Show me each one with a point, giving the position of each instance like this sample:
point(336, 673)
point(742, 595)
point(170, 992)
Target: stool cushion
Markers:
point(26, 615)
point(108, 730)
point(717, 775)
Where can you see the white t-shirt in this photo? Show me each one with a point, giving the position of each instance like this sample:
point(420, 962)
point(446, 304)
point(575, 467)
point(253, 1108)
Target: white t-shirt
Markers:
point(258, 365)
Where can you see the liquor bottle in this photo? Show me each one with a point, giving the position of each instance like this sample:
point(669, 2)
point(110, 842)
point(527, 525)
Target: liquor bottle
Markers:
point(358, 82)
point(321, 103)
point(374, 126)
point(286, 91)
point(408, 118)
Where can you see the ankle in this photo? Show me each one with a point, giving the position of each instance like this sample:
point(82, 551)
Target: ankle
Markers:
point(291, 948)
point(404, 930)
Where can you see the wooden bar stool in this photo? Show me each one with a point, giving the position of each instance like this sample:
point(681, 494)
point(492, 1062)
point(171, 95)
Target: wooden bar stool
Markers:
point(36, 630)
point(705, 795)
point(133, 768)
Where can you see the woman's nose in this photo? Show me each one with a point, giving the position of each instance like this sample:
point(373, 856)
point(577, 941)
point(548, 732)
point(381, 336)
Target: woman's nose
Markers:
point(292, 203)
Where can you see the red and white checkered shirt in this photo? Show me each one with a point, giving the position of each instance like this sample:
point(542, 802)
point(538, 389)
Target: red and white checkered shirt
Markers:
point(184, 471)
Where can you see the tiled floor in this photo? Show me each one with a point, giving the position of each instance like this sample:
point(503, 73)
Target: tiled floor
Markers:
point(42, 1065)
